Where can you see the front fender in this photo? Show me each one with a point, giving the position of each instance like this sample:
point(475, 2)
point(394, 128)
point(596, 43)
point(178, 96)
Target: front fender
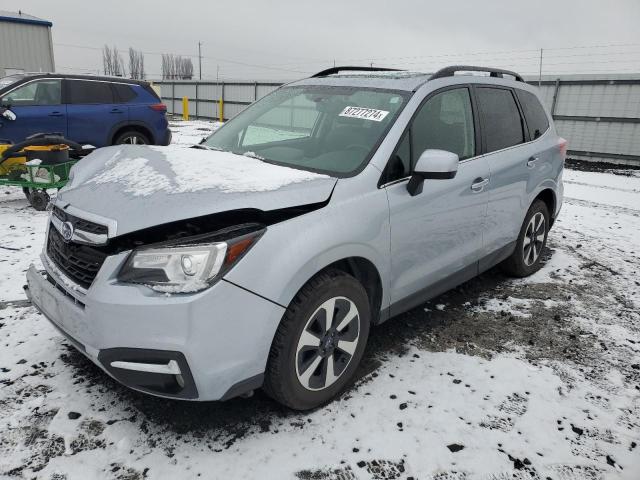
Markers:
point(293, 251)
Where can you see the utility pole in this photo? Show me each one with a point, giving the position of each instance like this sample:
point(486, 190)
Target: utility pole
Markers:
point(200, 59)
point(540, 72)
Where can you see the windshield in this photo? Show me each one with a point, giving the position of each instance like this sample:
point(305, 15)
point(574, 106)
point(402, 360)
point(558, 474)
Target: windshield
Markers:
point(6, 81)
point(332, 130)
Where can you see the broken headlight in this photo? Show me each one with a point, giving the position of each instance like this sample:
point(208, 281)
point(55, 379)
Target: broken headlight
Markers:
point(190, 264)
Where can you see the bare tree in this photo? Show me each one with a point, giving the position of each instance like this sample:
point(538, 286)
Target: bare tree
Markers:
point(107, 61)
point(112, 61)
point(136, 64)
point(176, 67)
point(186, 68)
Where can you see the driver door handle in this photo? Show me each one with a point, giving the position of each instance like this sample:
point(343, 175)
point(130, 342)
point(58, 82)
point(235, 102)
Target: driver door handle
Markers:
point(532, 162)
point(55, 114)
point(479, 184)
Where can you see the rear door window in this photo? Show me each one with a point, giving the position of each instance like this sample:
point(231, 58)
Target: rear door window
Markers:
point(89, 92)
point(537, 120)
point(501, 121)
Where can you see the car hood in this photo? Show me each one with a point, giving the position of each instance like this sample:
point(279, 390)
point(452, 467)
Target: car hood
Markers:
point(143, 186)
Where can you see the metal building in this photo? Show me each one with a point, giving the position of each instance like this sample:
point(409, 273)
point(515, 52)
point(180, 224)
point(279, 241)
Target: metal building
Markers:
point(25, 44)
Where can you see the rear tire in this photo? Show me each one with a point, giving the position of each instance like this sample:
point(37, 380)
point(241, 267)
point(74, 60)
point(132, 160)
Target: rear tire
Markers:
point(132, 137)
point(525, 260)
point(309, 364)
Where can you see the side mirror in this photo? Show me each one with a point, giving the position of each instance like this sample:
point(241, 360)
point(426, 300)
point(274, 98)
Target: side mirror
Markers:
point(432, 165)
point(8, 114)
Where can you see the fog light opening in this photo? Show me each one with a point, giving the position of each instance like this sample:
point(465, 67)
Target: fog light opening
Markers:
point(180, 381)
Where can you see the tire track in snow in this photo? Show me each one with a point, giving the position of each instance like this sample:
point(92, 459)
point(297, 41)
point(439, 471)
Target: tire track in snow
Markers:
point(606, 187)
point(603, 206)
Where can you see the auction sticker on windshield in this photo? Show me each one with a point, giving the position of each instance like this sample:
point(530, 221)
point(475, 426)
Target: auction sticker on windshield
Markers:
point(364, 113)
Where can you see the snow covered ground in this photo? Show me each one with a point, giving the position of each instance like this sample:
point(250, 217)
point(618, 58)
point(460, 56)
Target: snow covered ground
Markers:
point(499, 379)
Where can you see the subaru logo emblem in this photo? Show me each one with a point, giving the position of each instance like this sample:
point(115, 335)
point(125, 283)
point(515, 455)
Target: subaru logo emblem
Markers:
point(67, 231)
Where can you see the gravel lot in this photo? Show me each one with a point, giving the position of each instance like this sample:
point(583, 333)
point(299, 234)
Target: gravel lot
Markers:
point(498, 379)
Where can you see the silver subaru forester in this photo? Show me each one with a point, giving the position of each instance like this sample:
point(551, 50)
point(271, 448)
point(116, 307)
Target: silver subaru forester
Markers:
point(262, 256)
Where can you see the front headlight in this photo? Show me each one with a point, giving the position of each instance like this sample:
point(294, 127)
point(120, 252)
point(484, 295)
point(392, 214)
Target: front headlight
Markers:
point(189, 264)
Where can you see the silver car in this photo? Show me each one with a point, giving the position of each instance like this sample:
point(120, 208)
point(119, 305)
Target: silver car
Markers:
point(263, 256)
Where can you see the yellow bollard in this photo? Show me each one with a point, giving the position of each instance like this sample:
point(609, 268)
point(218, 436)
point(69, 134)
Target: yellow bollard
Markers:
point(185, 108)
point(221, 110)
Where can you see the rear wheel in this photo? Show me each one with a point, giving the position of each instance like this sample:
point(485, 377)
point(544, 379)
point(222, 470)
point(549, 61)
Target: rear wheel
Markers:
point(525, 260)
point(132, 137)
point(320, 342)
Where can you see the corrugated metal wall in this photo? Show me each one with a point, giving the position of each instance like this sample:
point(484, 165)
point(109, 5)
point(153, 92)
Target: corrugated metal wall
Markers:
point(598, 115)
point(204, 96)
point(25, 47)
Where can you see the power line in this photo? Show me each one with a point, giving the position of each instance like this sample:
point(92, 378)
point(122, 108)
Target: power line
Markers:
point(218, 59)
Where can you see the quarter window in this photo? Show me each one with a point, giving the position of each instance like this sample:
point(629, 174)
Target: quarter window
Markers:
point(38, 93)
point(501, 121)
point(537, 121)
point(86, 92)
point(399, 165)
point(445, 122)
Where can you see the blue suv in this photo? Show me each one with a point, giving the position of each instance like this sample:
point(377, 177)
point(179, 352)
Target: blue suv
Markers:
point(92, 110)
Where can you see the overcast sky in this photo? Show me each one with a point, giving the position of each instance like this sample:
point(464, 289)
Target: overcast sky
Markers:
point(287, 39)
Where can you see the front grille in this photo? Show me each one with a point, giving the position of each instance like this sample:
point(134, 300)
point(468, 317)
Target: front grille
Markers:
point(80, 223)
point(78, 262)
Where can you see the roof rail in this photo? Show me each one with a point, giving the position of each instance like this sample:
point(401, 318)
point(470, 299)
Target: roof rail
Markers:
point(493, 72)
point(334, 70)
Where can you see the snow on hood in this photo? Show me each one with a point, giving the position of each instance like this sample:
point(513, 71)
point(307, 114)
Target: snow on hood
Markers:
point(191, 170)
point(141, 186)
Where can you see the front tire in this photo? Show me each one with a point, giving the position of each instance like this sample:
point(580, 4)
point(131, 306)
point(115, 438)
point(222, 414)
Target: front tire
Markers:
point(320, 342)
point(39, 199)
point(525, 260)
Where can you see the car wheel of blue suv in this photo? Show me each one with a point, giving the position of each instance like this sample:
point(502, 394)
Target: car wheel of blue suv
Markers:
point(132, 137)
point(320, 341)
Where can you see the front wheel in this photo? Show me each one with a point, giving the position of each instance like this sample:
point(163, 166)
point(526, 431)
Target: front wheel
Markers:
point(320, 342)
point(532, 239)
point(39, 199)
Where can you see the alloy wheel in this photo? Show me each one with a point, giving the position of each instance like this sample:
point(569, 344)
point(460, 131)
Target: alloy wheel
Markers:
point(534, 239)
point(327, 343)
point(133, 140)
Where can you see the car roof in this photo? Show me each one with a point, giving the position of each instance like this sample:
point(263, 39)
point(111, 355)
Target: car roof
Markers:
point(403, 80)
point(406, 81)
point(102, 78)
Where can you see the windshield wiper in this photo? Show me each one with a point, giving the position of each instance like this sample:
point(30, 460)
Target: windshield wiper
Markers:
point(207, 147)
point(253, 155)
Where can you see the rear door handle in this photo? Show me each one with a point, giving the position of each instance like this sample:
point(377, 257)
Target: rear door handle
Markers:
point(532, 162)
point(55, 114)
point(479, 184)
point(117, 110)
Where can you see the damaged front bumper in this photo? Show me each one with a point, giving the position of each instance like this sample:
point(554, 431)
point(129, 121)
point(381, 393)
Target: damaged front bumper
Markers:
point(207, 346)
